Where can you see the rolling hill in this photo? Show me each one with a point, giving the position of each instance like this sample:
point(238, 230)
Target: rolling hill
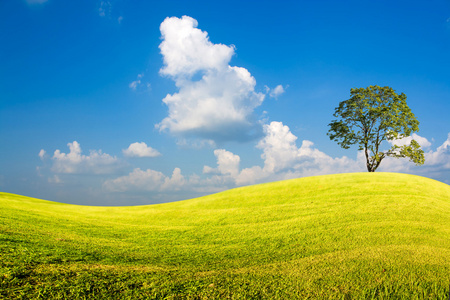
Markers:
point(345, 236)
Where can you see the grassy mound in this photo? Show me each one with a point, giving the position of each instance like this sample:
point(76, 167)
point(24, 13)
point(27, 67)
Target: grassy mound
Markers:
point(346, 236)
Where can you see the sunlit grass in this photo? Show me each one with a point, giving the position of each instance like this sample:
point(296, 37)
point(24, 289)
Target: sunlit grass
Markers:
point(348, 236)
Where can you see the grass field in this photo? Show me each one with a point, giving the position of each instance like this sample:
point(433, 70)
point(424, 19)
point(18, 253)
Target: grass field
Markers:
point(347, 236)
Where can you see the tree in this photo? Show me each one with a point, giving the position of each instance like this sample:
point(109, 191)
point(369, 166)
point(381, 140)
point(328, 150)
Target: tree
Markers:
point(373, 115)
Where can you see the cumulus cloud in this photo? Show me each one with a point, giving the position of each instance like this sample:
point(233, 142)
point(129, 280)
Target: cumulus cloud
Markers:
point(283, 159)
point(149, 180)
point(440, 157)
point(219, 178)
point(279, 148)
point(423, 142)
point(437, 162)
point(227, 163)
point(187, 49)
point(140, 150)
point(76, 163)
point(281, 156)
point(215, 101)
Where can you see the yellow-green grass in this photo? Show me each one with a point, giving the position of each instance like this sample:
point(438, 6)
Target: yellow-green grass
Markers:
point(346, 236)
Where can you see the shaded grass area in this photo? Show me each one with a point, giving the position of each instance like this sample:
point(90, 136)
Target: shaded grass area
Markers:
point(347, 236)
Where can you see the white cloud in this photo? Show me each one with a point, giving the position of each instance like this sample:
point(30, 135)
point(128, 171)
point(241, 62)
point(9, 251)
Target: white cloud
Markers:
point(140, 150)
point(174, 183)
point(251, 175)
point(105, 9)
point(139, 85)
point(227, 163)
point(276, 92)
point(283, 159)
point(279, 148)
point(437, 162)
point(187, 50)
point(281, 154)
point(215, 100)
point(133, 85)
point(423, 142)
point(76, 163)
point(42, 154)
point(149, 180)
point(440, 157)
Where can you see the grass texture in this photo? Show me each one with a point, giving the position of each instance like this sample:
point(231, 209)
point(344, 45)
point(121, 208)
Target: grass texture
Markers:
point(346, 236)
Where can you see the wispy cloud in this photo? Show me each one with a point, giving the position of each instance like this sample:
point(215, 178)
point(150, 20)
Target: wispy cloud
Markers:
point(139, 85)
point(215, 100)
point(134, 84)
point(105, 9)
point(42, 154)
point(277, 91)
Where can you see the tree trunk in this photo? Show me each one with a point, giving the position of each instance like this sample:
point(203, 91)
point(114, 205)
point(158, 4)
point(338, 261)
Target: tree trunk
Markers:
point(369, 166)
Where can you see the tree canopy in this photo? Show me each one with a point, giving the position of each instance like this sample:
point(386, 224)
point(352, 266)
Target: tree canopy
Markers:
point(371, 116)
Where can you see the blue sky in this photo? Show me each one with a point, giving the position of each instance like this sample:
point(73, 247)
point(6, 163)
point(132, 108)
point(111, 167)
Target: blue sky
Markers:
point(138, 102)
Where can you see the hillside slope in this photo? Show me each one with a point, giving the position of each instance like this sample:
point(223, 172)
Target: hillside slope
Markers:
point(357, 235)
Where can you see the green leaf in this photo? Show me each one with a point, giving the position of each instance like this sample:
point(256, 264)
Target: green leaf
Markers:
point(373, 115)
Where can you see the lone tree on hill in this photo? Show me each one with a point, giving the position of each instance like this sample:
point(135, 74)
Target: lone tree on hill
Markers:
point(373, 115)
